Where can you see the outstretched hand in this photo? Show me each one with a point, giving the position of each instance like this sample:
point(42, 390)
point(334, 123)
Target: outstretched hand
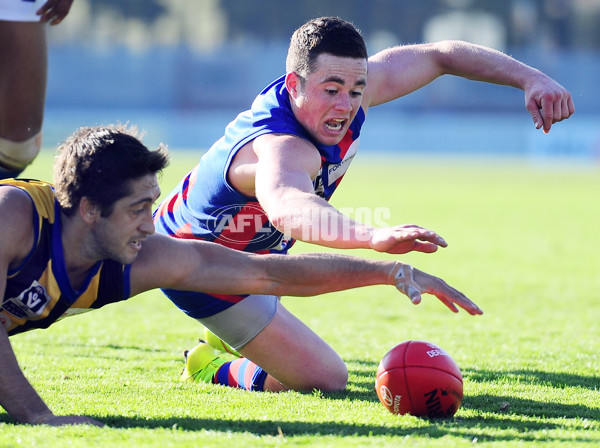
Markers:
point(406, 238)
point(414, 282)
point(548, 102)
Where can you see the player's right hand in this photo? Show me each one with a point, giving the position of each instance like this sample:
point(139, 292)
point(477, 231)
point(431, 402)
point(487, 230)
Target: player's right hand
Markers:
point(405, 238)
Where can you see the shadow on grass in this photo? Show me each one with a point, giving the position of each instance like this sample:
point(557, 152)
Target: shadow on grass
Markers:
point(468, 429)
point(503, 417)
point(465, 428)
point(557, 380)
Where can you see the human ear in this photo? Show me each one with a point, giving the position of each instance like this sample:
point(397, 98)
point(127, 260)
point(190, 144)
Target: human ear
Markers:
point(292, 84)
point(88, 211)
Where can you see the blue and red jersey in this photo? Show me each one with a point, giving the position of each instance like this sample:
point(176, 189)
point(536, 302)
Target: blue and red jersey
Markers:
point(205, 206)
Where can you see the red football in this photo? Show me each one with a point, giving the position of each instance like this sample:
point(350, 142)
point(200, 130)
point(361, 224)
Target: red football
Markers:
point(419, 378)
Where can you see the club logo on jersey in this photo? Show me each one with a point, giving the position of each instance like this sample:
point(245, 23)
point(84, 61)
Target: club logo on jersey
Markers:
point(241, 224)
point(30, 303)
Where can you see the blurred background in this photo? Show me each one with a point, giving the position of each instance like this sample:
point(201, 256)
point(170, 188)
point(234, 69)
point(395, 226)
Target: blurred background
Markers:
point(182, 70)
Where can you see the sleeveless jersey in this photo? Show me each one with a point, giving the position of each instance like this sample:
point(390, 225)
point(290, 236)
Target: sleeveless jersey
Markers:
point(38, 291)
point(205, 206)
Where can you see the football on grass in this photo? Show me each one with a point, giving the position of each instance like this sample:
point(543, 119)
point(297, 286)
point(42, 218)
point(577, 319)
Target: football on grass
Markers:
point(421, 379)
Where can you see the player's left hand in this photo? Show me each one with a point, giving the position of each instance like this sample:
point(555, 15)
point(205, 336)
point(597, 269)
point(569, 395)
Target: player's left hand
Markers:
point(405, 238)
point(54, 11)
point(548, 102)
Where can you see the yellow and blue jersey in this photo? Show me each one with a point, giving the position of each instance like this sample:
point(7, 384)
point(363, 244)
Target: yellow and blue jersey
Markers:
point(38, 291)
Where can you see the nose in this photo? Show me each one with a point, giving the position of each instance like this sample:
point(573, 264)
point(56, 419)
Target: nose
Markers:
point(344, 103)
point(147, 225)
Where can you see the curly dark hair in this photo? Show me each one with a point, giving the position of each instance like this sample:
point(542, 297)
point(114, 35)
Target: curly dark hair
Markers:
point(330, 35)
point(99, 163)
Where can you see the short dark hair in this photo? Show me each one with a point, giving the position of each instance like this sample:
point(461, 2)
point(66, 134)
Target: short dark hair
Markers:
point(99, 163)
point(330, 35)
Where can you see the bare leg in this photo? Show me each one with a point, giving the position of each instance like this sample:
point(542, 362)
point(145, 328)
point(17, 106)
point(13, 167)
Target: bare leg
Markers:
point(295, 356)
point(23, 74)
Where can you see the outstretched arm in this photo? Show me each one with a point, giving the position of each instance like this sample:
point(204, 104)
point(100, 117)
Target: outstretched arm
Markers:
point(166, 262)
point(283, 182)
point(397, 71)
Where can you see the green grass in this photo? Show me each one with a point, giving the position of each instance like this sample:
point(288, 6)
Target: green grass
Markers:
point(523, 243)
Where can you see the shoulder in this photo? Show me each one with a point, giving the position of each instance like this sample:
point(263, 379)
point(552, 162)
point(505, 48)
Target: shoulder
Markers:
point(16, 232)
point(15, 204)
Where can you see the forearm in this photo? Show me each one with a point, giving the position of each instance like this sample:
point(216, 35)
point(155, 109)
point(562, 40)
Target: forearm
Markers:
point(480, 63)
point(313, 220)
point(17, 396)
point(318, 273)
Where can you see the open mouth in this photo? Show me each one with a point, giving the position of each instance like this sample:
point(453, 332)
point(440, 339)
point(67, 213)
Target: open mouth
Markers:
point(335, 125)
point(136, 244)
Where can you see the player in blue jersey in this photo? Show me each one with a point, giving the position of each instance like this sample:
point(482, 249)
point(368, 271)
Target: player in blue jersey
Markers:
point(23, 70)
point(89, 241)
point(268, 180)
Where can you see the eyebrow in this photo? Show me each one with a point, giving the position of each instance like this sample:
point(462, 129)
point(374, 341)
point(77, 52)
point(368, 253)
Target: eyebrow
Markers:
point(336, 79)
point(144, 200)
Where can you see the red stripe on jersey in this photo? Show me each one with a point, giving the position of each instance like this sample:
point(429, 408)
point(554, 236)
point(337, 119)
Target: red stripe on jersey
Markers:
point(185, 232)
point(229, 298)
point(345, 143)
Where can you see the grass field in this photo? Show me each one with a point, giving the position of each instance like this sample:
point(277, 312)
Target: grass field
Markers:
point(523, 243)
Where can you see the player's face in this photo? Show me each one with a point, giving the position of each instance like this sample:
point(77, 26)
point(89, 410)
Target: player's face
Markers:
point(119, 236)
point(328, 100)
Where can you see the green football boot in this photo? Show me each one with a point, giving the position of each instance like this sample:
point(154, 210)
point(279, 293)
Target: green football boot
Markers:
point(201, 363)
point(214, 341)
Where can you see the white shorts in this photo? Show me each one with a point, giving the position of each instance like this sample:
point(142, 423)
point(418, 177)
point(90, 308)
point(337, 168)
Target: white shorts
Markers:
point(20, 10)
point(239, 324)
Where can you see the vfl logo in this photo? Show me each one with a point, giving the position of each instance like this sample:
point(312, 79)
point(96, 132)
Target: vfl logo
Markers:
point(30, 303)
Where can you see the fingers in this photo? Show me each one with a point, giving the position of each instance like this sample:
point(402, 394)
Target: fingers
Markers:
point(413, 232)
point(461, 300)
point(54, 11)
point(61, 420)
point(406, 238)
point(448, 295)
point(550, 108)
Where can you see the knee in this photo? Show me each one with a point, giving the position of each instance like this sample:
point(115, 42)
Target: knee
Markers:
point(331, 378)
point(15, 156)
point(334, 381)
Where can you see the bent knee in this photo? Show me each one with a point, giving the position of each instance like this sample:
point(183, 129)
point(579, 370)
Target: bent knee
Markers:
point(326, 380)
point(335, 382)
point(15, 156)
